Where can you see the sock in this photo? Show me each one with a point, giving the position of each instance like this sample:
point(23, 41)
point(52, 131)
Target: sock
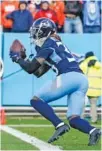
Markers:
point(81, 124)
point(45, 110)
point(59, 125)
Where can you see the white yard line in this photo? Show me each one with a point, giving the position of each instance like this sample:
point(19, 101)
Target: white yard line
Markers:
point(30, 139)
point(30, 125)
point(39, 125)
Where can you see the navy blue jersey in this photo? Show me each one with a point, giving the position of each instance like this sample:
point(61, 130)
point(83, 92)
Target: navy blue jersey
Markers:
point(58, 56)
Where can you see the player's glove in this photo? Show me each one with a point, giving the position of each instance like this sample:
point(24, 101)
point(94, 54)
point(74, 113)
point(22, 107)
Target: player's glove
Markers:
point(17, 51)
point(15, 56)
point(91, 63)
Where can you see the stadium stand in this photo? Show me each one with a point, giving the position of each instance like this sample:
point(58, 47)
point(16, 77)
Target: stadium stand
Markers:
point(75, 16)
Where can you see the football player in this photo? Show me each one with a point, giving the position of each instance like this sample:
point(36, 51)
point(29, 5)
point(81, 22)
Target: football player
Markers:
point(69, 80)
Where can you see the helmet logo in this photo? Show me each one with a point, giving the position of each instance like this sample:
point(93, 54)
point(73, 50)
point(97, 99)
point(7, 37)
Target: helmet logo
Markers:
point(45, 23)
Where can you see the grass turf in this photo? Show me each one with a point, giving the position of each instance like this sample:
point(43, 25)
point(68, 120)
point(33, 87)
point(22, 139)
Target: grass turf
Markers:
point(9, 142)
point(20, 121)
point(73, 140)
point(33, 120)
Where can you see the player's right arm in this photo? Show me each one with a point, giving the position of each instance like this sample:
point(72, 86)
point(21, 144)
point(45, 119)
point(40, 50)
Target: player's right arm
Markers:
point(40, 59)
point(29, 66)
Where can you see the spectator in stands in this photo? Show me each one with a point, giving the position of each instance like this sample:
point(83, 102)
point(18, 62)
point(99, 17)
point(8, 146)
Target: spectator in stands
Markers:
point(92, 16)
point(73, 22)
point(92, 68)
point(59, 7)
point(6, 8)
point(36, 3)
point(22, 18)
point(46, 12)
point(32, 8)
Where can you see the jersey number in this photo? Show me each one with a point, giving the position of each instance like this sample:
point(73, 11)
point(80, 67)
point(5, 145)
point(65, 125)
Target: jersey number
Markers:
point(68, 54)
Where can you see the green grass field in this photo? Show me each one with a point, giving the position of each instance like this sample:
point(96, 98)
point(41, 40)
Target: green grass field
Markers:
point(73, 140)
point(9, 142)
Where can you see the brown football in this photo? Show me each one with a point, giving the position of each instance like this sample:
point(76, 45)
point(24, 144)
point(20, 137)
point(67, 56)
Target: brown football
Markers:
point(16, 46)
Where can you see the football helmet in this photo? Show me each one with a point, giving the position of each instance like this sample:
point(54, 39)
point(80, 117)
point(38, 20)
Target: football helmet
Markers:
point(42, 29)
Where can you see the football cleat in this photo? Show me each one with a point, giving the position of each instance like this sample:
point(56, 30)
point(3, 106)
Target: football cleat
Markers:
point(94, 137)
point(59, 132)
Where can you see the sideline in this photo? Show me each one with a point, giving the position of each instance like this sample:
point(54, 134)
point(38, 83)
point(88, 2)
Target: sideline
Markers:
point(41, 145)
point(39, 125)
point(31, 125)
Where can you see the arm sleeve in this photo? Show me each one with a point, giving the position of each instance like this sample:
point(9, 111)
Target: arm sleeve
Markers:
point(32, 66)
point(29, 66)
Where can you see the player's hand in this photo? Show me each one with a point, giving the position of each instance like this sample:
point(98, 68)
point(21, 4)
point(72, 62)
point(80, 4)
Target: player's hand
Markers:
point(15, 56)
point(17, 51)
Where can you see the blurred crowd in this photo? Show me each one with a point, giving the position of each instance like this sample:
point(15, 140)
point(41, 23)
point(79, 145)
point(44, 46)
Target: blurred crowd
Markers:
point(70, 16)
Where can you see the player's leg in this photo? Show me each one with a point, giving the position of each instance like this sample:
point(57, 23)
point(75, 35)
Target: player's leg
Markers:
point(46, 111)
point(75, 108)
point(53, 91)
point(40, 103)
point(76, 103)
point(48, 93)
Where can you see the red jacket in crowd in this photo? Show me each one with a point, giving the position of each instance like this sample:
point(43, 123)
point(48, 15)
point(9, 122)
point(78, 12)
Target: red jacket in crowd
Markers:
point(46, 13)
point(59, 7)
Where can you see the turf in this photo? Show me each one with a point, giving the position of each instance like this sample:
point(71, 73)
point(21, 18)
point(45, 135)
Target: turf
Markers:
point(28, 120)
point(33, 120)
point(9, 142)
point(74, 140)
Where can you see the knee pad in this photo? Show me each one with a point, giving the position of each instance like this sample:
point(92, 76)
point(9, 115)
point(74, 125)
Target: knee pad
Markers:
point(72, 121)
